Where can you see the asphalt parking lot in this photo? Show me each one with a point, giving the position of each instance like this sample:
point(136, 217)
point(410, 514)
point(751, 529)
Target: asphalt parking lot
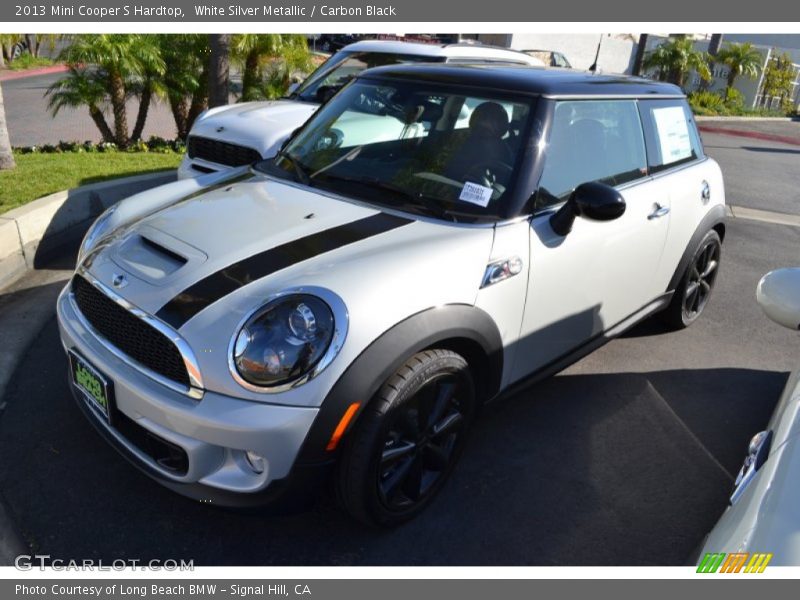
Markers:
point(625, 458)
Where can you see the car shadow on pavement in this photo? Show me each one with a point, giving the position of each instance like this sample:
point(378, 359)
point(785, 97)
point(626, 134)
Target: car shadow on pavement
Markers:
point(771, 150)
point(615, 469)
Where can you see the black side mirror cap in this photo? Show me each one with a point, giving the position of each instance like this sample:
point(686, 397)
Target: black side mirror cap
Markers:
point(592, 200)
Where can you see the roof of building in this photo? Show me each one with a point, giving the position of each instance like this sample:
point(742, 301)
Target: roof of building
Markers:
point(546, 82)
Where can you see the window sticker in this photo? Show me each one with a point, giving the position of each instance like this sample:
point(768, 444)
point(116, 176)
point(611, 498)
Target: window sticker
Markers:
point(476, 194)
point(673, 134)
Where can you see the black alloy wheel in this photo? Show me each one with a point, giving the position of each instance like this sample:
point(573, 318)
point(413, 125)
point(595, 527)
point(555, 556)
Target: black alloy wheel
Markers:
point(407, 441)
point(694, 290)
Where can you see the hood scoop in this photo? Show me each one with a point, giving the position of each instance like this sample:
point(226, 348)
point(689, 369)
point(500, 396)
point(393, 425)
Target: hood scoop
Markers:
point(153, 255)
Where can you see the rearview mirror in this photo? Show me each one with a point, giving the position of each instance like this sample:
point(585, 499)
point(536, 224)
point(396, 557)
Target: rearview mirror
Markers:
point(778, 293)
point(592, 200)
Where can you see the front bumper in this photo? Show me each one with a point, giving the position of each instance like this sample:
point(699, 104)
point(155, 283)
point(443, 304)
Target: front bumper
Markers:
point(213, 432)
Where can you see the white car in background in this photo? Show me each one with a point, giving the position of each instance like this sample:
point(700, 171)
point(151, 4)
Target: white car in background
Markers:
point(239, 134)
point(762, 517)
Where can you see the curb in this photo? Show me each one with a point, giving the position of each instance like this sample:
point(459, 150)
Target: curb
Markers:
point(10, 75)
point(701, 118)
point(31, 234)
point(782, 139)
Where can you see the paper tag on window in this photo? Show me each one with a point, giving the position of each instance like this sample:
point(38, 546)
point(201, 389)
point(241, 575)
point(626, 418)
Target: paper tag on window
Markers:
point(476, 194)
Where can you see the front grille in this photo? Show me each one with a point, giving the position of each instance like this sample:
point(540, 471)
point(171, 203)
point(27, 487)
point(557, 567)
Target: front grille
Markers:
point(222, 153)
point(128, 333)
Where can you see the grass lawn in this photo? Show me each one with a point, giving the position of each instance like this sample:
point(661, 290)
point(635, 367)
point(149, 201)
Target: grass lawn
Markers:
point(38, 175)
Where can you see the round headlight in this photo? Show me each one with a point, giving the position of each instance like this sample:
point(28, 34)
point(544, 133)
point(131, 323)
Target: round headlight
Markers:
point(284, 340)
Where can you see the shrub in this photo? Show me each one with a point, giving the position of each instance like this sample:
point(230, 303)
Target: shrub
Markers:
point(154, 144)
point(734, 99)
point(705, 99)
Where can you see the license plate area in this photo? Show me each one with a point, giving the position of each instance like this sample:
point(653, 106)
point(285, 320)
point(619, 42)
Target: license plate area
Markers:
point(95, 387)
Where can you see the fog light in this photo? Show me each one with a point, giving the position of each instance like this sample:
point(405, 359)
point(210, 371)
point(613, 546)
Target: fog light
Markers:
point(255, 461)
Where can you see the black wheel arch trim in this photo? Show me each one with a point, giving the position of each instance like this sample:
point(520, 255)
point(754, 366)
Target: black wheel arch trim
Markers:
point(459, 327)
point(714, 219)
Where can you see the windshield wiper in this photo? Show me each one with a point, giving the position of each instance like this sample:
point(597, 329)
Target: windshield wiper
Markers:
point(431, 204)
point(302, 175)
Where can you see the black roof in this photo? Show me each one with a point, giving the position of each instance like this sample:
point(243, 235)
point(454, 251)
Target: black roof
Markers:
point(530, 80)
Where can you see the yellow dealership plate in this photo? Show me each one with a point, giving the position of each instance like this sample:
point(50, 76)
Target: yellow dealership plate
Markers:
point(94, 385)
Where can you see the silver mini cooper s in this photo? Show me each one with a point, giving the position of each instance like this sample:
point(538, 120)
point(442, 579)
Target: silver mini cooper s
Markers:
point(432, 238)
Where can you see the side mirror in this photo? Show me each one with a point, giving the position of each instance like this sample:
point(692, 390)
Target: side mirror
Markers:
point(778, 293)
point(593, 200)
point(292, 89)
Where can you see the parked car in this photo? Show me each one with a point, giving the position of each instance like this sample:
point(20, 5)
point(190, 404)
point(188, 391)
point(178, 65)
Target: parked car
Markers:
point(239, 134)
point(347, 306)
point(551, 58)
point(762, 516)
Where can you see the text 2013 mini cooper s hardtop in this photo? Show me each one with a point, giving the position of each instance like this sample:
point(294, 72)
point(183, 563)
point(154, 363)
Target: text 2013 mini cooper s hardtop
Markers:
point(351, 303)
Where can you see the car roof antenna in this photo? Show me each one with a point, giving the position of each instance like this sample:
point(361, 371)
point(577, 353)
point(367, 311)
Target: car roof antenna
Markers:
point(593, 68)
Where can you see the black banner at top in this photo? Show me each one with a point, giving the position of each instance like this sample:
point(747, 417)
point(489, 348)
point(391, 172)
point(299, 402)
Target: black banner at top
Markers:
point(396, 11)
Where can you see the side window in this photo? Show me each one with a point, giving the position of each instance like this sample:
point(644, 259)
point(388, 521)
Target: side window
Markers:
point(591, 140)
point(671, 134)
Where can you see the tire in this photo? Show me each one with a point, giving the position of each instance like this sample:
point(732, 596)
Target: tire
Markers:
point(694, 290)
point(384, 488)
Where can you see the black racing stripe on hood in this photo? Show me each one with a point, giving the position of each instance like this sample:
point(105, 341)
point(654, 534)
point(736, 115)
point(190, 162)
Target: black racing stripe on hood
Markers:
point(218, 285)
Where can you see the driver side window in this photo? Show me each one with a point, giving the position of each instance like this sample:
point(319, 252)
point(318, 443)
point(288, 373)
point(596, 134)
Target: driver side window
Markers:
point(591, 140)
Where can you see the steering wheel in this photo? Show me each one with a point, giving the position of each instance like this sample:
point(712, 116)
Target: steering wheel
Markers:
point(490, 173)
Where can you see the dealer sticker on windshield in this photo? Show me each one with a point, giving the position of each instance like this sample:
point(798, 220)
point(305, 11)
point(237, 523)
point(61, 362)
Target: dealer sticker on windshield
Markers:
point(476, 194)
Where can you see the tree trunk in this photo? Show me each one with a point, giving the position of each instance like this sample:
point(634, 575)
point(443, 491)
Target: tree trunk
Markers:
point(180, 112)
point(100, 121)
point(731, 77)
point(2, 58)
point(199, 100)
point(640, 50)
point(250, 77)
point(6, 157)
point(33, 44)
point(219, 69)
point(141, 115)
point(715, 44)
point(117, 93)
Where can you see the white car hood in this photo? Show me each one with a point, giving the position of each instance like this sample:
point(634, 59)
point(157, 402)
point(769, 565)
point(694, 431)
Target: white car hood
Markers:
point(384, 266)
point(216, 232)
point(259, 125)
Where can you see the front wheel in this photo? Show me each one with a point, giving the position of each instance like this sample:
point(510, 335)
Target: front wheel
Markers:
point(697, 283)
point(408, 440)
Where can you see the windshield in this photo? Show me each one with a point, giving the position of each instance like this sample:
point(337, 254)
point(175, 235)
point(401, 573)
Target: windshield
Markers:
point(340, 68)
point(417, 146)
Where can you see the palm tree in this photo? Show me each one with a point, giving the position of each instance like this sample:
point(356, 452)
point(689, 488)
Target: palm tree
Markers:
point(185, 80)
point(675, 58)
point(219, 69)
point(81, 87)
point(6, 157)
point(741, 59)
point(255, 50)
point(121, 59)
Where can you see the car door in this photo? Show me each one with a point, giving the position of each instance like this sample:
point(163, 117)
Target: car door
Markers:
point(677, 162)
point(582, 284)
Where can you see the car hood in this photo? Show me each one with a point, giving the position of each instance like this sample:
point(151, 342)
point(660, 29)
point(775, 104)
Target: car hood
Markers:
point(213, 243)
point(259, 125)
